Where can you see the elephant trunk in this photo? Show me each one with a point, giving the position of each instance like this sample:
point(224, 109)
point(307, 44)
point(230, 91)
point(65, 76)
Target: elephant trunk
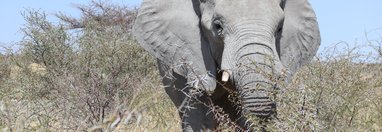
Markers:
point(253, 64)
point(255, 78)
point(256, 93)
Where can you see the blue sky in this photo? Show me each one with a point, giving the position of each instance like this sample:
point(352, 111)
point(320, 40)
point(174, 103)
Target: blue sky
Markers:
point(340, 20)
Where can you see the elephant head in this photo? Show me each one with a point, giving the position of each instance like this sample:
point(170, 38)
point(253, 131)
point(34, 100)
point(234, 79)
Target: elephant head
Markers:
point(248, 39)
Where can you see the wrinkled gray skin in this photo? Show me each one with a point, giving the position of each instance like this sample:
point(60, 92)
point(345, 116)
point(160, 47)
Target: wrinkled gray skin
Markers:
point(250, 39)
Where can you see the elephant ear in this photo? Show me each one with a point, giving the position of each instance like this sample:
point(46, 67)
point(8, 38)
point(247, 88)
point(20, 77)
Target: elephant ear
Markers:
point(169, 30)
point(300, 37)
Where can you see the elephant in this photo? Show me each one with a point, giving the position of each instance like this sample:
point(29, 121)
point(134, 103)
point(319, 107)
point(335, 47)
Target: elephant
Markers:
point(208, 49)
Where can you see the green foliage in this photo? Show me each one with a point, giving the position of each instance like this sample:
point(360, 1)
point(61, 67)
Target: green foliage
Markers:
point(67, 78)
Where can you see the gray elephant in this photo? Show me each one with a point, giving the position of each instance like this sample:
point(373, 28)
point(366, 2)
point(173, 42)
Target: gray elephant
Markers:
point(207, 48)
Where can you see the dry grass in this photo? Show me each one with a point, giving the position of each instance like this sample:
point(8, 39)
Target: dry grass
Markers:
point(95, 77)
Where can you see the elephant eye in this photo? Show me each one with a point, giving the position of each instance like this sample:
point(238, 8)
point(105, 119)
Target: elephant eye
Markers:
point(219, 27)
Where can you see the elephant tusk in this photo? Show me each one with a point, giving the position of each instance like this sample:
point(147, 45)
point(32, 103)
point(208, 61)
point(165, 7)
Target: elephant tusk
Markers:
point(225, 76)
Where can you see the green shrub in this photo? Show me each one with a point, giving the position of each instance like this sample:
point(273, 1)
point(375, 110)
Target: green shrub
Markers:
point(85, 74)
